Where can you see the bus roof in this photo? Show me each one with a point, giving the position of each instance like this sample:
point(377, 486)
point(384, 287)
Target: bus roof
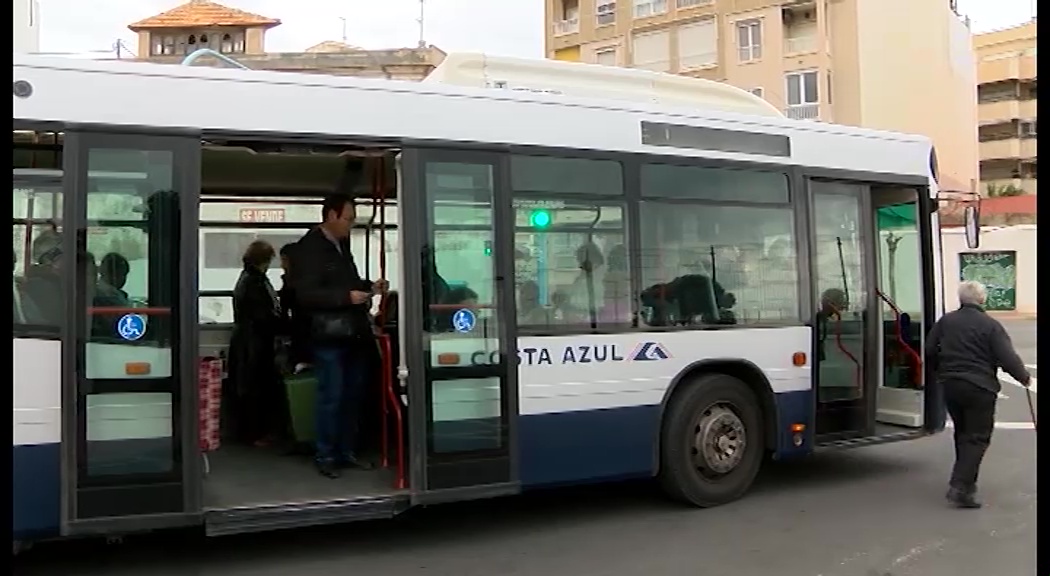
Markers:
point(217, 100)
point(593, 81)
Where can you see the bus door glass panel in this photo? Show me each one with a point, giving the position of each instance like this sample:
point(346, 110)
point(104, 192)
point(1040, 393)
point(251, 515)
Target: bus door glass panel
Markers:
point(842, 290)
point(900, 280)
point(127, 296)
point(467, 359)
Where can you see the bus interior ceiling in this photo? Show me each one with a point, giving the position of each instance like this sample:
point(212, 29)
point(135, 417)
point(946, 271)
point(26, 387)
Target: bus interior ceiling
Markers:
point(268, 191)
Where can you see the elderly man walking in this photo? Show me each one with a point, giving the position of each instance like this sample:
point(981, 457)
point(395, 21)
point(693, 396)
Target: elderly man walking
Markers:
point(966, 348)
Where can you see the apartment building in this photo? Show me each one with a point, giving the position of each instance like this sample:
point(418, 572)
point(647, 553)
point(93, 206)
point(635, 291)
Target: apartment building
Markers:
point(1006, 110)
point(903, 65)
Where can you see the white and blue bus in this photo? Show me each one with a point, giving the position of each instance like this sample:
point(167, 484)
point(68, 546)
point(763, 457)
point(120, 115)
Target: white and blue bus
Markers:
point(678, 284)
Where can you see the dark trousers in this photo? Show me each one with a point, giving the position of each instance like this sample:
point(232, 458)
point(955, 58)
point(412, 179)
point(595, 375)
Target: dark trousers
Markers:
point(340, 384)
point(972, 409)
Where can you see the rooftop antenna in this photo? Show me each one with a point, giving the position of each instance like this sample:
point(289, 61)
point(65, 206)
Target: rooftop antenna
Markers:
point(422, 15)
point(343, 20)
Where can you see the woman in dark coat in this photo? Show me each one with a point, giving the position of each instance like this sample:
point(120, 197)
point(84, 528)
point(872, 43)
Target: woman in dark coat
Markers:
point(262, 411)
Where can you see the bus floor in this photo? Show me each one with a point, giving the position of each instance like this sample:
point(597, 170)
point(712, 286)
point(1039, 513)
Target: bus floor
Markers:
point(241, 476)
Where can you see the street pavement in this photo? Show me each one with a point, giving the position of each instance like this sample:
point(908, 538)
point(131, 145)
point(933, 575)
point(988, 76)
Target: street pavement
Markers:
point(877, 511)
point(1013, 410)
point(1022, 332)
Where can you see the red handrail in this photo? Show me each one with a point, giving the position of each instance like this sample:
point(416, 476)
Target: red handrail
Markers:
point(915, 358)
point(389, 402)
point(848, 354)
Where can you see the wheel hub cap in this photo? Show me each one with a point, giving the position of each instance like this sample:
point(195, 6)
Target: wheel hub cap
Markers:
point(720, 440)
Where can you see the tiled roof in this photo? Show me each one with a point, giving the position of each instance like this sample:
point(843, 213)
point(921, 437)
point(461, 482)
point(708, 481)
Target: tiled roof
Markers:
point(202, 13)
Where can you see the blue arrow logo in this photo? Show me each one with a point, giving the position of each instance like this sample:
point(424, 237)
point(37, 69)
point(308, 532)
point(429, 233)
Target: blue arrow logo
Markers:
point(650, 351)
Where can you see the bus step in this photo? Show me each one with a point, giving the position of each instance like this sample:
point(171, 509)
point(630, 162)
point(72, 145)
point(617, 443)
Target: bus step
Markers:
point(875, 439)
point(246, 519)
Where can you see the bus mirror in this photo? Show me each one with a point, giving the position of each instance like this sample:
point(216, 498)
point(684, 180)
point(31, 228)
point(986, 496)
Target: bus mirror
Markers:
point(972, 225)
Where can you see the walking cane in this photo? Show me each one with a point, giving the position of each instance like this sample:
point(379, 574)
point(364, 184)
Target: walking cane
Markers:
point(1031, 406)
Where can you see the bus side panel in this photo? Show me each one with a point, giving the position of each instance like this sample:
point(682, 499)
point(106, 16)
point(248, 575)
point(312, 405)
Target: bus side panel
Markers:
point(591, 404)
point(36, 456)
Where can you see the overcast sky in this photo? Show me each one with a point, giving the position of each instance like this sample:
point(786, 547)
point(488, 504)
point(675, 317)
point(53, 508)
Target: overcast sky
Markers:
point(503, 27)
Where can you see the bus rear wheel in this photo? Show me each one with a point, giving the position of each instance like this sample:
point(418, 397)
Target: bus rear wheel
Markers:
point(712, 441)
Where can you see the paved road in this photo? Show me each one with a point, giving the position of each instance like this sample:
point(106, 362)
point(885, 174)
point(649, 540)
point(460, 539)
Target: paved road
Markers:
point(869, 512)
point(1022, 332)
point(1013, 410)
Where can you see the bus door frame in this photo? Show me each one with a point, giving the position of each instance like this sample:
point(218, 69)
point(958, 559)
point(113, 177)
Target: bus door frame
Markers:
point(186, 150)
point(415, 371)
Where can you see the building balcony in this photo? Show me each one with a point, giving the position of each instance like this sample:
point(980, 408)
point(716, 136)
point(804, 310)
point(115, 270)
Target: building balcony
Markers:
point(1014, 68)
point(800, 45)
point(803, 112)
point(1005, 111)
point(568, 26)
point(1026, 184)
point(1013, 148)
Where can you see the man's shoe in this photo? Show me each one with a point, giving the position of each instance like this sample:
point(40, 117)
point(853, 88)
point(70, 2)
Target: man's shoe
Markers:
point(962, 499)
point(328, 469)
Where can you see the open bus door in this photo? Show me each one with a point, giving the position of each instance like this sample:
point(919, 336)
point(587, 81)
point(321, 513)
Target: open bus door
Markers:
point(129, 352)
point(458, 322)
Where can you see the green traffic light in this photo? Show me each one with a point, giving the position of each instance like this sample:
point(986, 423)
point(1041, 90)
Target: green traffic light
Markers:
point(540, 219)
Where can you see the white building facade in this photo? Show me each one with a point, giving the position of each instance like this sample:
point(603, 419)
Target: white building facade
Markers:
point(27, 26)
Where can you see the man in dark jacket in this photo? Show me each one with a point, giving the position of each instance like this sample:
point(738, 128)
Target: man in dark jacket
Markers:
point(336, 298)
point(966, 348)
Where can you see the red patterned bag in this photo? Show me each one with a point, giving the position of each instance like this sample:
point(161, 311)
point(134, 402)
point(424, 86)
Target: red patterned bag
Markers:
point(209, 396)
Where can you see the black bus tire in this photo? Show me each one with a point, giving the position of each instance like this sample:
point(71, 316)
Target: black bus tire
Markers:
point(721, 410)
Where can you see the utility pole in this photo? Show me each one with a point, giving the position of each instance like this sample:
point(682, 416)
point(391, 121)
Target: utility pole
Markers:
point(343, 20)
point(120, 48)
point(422, 15)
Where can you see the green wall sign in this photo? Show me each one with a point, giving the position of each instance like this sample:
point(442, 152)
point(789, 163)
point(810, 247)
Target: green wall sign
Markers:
point(997, 270)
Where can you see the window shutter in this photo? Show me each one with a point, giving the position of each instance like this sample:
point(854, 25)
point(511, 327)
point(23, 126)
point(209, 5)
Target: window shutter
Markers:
point(698, 44)
point(651, 51)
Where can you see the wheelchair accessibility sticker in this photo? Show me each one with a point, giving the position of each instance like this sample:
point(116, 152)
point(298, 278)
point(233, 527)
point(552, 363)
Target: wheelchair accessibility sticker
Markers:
point(131, 326)
point(463, 320)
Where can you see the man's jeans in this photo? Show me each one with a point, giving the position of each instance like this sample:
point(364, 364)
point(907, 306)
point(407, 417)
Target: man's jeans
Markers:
point(340, 383)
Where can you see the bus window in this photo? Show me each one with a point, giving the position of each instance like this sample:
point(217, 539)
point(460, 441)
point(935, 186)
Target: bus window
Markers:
point(229, 225)
point(570, 244)
point(37, 241)
point(705, 263)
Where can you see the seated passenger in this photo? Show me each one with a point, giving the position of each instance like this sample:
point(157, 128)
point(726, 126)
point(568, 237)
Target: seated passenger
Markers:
point(530, 311)
point(689, 299)
point(616, 287)
point(25, 311)
point(43, 279)
point(113, 275)
point(460, 296)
